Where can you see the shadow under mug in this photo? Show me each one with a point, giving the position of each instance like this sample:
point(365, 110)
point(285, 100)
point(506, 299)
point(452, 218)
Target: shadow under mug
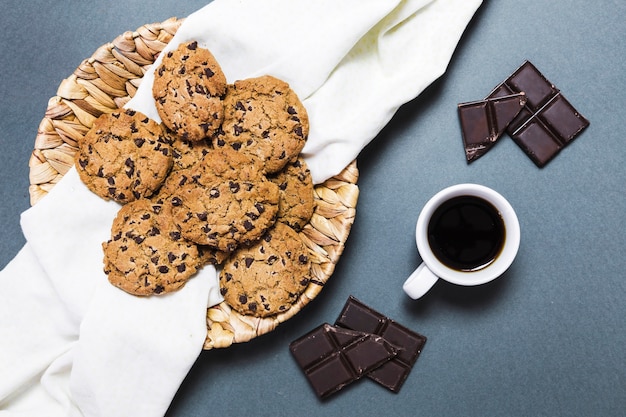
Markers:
point(432, 268)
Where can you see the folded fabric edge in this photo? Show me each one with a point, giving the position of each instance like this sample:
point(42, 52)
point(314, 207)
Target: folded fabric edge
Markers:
point(388, 78)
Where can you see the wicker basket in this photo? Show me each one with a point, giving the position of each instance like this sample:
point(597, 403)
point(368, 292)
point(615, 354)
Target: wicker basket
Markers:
point(106, 81)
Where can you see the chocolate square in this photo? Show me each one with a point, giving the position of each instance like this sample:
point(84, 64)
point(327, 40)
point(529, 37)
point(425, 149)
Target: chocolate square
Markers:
point(332, 357)
point(409, 344)
point(548, 122)
point(483, 122)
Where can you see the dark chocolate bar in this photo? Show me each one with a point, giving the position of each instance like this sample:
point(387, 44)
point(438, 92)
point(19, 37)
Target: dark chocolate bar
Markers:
point(333, 357)
point(483, 122)
point(409, 344)
point(548, 121)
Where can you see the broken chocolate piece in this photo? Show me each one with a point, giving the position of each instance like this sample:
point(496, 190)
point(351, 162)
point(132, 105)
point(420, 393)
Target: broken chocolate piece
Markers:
point(548, 121)
point(333, 357)
point(483, 122)
point(409, 344)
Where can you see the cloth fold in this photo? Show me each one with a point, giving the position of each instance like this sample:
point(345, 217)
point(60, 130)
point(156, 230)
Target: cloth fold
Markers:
point(73, 344)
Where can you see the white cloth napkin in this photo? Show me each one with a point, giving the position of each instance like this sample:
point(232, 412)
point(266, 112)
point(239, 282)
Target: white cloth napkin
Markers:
point(74, 345)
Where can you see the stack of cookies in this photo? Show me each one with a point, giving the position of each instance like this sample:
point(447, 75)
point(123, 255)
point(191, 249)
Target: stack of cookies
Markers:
point(219, 181)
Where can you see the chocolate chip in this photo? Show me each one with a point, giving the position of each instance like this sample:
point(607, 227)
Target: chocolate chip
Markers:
point(252, 216)
point(183, 181)
point(164, 269)
point(247, 224)
point(181, 268)
point(193, 46)
point(131, 167)
point(234, 187)
point(249, 262)
point(139, 142)
point(189, 88)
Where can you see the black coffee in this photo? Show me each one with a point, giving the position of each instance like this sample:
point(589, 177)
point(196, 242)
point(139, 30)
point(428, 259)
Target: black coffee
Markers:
point(466, 233)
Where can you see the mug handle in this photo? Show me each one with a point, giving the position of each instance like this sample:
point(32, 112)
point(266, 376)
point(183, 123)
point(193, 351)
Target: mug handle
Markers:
point(419, 282)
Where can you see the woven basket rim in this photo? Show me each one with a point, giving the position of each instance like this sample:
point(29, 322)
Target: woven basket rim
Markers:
point(105, 82)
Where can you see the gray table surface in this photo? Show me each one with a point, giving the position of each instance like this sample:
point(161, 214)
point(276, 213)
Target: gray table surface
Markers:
point(548, 338)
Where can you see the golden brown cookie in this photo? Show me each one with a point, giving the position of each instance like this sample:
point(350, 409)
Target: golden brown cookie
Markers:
point(264, 117)
point(214, 166)
point(188, 89)
point(296, 194)
point(225, 214)
point(124, 156)
point(145, 255)
point(268, 277)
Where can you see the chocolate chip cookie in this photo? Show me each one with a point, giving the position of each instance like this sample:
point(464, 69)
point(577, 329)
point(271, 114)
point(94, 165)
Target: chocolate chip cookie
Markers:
point(227, 213)
point(145, 255)
point(268, 277)
point(296, 194)
point(124, 156)
point(188, 89)
point(264, 117)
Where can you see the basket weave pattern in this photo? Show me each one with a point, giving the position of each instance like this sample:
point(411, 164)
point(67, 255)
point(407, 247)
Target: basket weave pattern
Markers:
point(104, 83)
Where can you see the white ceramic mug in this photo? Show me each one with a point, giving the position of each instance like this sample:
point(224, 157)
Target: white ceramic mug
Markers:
point(432, 268)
